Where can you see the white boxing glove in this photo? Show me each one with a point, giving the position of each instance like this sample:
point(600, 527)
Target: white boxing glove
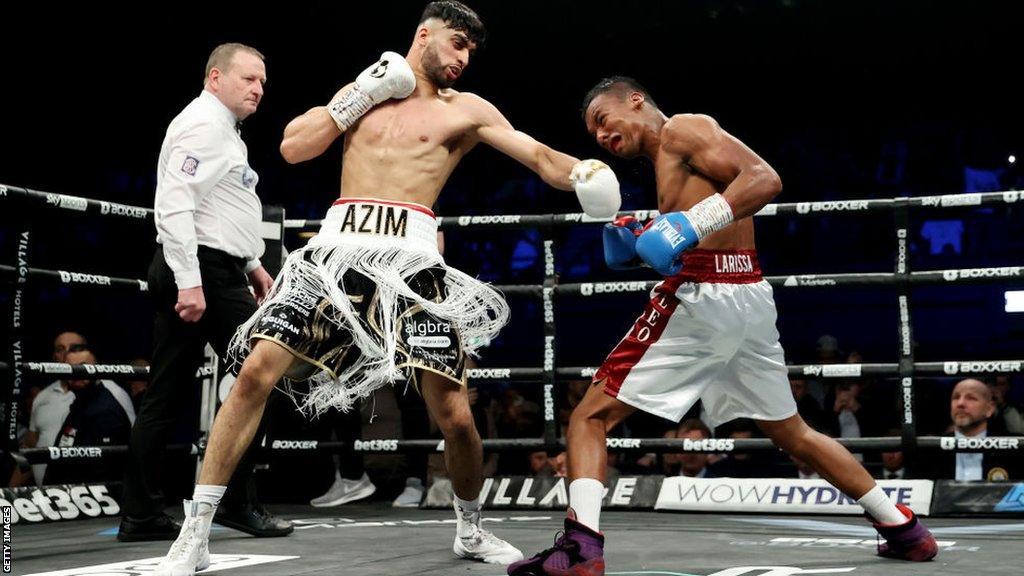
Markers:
point(597, 188)
point(389, 77)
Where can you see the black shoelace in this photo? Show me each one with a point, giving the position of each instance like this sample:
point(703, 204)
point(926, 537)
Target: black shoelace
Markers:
point(563, 544)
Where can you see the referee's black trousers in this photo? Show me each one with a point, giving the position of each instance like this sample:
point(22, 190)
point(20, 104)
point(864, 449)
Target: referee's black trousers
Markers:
point(177, 353)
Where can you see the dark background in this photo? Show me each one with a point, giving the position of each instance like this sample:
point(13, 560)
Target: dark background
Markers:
point(845, 99)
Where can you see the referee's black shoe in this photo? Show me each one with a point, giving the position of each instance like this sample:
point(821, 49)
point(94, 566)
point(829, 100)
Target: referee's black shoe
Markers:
point(252, 518)
point(161, 527)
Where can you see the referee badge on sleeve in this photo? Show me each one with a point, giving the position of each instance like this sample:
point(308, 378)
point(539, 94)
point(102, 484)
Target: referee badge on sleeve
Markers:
point(190, 165)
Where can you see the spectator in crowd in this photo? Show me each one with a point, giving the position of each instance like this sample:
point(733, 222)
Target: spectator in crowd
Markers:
point(351, 483)
point(693, 464)
point(740, 464)
point(137, 388)
point(51, 405)
point(542, 464)
point(971, 408)
point(844, 418)
point(515, 416)
point(1009, 415)
point(804, 470)
point(806, 405)
point(574, 392)
point(827, 350)
point(96, 418)
point(892, 462)
point(561, 465)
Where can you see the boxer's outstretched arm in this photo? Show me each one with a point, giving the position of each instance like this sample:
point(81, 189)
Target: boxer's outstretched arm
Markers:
point(495, 130)
point(309, 135)
point(704, 146)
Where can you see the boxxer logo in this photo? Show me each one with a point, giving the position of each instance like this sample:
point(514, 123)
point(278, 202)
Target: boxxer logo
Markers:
point(122, 210)
point(57, 453)
point(294, 445)
point(489, 373)
point(623, 443)
point(508, 219)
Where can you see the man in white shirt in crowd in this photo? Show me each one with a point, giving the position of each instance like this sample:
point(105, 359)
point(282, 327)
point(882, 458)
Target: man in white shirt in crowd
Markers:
point(51, 406)
point(207, 219)
point(971, 407)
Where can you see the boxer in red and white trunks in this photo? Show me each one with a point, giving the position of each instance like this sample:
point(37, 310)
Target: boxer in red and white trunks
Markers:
point(708, 333)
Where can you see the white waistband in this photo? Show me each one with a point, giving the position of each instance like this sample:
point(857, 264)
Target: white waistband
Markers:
point(373, 224)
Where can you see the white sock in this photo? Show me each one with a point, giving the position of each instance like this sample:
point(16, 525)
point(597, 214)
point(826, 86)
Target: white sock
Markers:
point(468, 505)
point(585, 495)
point(208, 493)
point(880, 507)
point(467, 516)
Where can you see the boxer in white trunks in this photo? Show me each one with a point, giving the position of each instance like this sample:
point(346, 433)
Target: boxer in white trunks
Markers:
point(708, 331)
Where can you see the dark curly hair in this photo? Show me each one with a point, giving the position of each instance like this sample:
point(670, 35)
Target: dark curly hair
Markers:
point(457, 16)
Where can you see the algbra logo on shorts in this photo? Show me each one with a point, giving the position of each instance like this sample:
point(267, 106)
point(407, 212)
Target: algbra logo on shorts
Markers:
point(427, 333)
point(952, 368)
point(375, 446)
point(58, 452)
point(294, 444)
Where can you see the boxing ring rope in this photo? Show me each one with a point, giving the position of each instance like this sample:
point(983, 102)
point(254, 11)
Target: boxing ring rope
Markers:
point(549, 374)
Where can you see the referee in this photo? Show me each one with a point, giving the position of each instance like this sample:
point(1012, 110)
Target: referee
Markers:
point(207, 219)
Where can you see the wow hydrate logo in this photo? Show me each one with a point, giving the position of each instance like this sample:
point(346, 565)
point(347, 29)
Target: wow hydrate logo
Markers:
point(782, 495)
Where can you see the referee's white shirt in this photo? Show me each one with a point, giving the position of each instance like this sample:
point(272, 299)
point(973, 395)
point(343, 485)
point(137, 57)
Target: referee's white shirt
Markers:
point(206, 191)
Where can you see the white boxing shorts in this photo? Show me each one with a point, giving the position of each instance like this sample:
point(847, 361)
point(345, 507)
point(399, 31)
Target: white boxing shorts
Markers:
point(707, 333)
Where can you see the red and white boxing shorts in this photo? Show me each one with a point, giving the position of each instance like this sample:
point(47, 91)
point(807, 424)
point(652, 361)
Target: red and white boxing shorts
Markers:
point(708, 333)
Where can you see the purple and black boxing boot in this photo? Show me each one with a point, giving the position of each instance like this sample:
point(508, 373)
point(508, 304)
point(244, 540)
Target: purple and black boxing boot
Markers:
point(908, 541)
point(578, 551)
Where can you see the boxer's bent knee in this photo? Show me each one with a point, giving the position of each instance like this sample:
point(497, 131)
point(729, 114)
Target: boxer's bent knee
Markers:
point(599, 409)
point(459, 426)
point(262, 370)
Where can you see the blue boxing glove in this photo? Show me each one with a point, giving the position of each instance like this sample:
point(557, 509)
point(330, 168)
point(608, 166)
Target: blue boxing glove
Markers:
point(662, 243)
point(620, 243)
